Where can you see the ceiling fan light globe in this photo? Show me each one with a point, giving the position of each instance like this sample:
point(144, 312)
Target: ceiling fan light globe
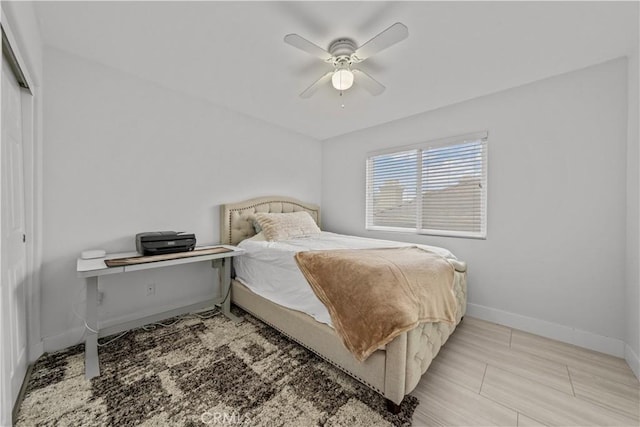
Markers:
point(342, 79)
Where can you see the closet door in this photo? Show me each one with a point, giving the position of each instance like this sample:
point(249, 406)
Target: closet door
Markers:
point(13, 263)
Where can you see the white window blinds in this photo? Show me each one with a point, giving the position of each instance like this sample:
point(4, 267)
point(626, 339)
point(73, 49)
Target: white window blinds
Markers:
point(435, 188)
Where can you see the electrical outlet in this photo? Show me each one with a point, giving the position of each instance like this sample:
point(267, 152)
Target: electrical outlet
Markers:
point(100, 297)
point(151, 289)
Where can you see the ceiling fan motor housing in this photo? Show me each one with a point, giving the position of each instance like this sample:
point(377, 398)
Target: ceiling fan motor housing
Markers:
point(341, 50)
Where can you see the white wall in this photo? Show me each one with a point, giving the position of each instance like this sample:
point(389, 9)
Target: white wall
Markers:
point(554, 258)
point(122, 156)
point(632, 298)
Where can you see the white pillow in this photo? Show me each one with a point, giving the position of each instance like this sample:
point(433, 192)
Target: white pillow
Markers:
point(254, 223)
point(258, 237)
point(285, 226)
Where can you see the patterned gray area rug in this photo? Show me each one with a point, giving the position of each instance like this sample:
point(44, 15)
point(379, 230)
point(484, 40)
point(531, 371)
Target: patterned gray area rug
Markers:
point(202, 372)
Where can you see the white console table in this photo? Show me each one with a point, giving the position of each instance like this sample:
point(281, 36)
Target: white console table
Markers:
point(91, 269)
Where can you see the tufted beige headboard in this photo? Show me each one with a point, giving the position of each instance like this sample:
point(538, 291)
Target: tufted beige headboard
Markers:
point(234, 217)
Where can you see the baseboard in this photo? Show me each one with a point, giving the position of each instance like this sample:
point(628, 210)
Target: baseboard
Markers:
point(68, 338)
point(23, 390)
point(556, 331)
point(75, 335)
point(36, 349)
point(632, 360)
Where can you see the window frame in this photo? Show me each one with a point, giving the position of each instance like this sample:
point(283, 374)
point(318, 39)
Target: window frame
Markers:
point(421, 147)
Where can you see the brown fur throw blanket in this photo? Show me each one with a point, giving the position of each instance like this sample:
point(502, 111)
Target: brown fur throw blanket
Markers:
point(374, 295)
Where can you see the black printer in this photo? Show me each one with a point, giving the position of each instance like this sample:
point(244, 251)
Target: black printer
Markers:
point(164, 242)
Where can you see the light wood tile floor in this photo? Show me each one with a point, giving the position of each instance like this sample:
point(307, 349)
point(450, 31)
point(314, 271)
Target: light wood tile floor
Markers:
point(491, 375)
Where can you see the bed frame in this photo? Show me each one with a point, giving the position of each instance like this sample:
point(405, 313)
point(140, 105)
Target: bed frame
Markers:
point(393, 370)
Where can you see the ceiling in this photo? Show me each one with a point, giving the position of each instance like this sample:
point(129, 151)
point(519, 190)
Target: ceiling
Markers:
point(233, 54)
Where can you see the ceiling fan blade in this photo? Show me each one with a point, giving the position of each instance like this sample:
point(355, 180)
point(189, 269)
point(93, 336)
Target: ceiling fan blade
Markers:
point(304, 44)
point(392, 35)
point(308, 92)
point(370, 84)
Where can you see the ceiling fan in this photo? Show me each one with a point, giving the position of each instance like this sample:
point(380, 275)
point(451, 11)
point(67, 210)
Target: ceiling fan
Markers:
point(343, 53)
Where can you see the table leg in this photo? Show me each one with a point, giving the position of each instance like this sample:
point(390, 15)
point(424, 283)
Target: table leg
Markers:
point(225, 284)
point(91, 362)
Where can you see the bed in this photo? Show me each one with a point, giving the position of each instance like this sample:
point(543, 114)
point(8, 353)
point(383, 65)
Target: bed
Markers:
point(393, 370)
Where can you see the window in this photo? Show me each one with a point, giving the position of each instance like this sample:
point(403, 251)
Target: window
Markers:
point(438, 188)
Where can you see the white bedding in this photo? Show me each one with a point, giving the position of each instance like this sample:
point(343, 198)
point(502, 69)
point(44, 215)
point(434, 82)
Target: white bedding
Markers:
point(269, 269)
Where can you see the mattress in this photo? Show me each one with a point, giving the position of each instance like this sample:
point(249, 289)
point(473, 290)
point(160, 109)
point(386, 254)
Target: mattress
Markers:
point(269, 268)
